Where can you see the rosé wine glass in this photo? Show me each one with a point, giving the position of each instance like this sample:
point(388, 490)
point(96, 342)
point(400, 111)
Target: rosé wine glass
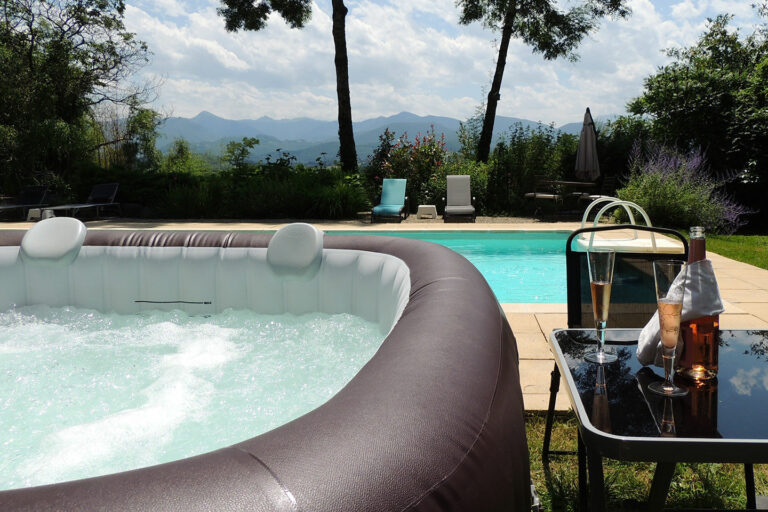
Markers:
point(669, 276)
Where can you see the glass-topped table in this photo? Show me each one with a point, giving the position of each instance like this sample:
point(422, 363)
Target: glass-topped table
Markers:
point(725, 421)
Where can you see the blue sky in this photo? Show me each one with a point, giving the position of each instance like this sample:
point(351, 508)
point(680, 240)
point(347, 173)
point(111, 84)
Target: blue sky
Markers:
point(404, 56)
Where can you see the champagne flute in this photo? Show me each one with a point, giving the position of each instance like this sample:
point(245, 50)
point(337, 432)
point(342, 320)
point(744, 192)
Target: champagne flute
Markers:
point(600, 279)
point(669, 276)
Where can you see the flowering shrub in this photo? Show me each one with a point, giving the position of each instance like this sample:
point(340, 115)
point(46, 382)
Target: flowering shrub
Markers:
point(677, 190)
point(415, 161)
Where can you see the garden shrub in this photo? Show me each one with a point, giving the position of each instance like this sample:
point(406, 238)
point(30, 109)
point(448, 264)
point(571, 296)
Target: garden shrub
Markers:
point(615, 140)
point(140, 189)
point(373, 172)
point(297, 192)
point(519, 157)
point(190, 198)
point(189, 185)
point(677, 190)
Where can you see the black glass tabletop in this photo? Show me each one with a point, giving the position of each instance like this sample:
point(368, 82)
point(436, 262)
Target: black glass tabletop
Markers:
point(616, 400)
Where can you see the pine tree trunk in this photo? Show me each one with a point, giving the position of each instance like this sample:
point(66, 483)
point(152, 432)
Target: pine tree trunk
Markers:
point(484, 144)
point(347, 151)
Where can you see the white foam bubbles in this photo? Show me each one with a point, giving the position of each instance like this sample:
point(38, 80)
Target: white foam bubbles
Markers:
point(87, 394)
point(135, 434)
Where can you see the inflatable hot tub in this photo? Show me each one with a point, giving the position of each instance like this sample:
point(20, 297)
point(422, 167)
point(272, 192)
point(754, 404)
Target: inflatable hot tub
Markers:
point(434, 421)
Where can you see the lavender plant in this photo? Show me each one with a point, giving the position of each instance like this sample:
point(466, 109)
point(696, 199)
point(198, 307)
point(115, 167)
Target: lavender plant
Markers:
point(676, 189)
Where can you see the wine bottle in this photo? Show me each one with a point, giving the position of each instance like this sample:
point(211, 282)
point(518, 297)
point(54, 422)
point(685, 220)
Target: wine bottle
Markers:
point(701, 336)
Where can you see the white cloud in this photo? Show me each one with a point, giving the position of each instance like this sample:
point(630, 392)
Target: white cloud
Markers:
point(739, 8)
point(403, 55)
point(746, 380)
point(171, 7)
point(688, 9)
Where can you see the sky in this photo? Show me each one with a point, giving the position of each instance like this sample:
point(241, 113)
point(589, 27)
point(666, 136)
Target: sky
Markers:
point(404, 56)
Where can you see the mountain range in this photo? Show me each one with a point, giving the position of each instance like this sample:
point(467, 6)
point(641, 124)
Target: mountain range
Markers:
point(307, 139)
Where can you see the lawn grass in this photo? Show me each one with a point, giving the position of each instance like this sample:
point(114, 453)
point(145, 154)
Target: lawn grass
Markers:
point(752, 249)
point(628, 483)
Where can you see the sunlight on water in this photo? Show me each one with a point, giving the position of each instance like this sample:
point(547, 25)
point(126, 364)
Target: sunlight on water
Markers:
point(85, 393)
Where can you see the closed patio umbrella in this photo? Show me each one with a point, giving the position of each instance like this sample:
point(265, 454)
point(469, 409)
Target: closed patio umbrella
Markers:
point(587, 166)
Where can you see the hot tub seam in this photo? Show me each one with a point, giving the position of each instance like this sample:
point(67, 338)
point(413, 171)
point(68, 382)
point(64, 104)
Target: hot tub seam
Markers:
point(288, 494)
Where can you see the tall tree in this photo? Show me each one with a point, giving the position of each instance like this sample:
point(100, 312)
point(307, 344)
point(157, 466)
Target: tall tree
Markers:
point(541, 25)
point(59, 59)
point(253, 14)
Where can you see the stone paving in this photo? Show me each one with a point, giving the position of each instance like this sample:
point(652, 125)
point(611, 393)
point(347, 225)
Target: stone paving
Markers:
point(743, 287)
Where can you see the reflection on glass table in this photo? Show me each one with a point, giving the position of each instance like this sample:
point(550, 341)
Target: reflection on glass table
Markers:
point(696, 413)
point(723, 420)
point(601, 410)
point(730, 401)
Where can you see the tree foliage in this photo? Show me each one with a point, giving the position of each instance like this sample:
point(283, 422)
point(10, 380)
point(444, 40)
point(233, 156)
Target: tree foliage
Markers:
point(543, 26)
point(252, 15)
point(125, 139)
point(236, 153)
point(714, 95)
point(616, 140)
point(59, 59)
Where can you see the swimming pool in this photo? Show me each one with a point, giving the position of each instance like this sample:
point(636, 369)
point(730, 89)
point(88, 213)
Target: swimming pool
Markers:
point(520, 266)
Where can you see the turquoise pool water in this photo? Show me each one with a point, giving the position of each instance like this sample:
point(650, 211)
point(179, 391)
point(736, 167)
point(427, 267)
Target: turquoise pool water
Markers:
point(520, 266)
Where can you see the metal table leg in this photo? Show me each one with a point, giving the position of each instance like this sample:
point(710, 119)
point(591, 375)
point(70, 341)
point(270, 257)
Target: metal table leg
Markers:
point(596, 483)
point(554, 386)
point(662, 477)
point(583, 494)
point(749, 476)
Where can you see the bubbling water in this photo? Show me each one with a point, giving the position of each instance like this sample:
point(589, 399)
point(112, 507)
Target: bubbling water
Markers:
point(84, 393)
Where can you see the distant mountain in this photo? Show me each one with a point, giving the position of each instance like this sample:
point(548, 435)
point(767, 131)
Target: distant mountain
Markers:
point(307, 139)
point(575, 128)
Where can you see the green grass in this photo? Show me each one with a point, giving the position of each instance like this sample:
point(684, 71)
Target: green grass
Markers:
point(628, 483)
point(752, 249)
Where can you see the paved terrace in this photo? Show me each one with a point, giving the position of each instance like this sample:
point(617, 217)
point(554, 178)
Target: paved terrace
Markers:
point(743, 287)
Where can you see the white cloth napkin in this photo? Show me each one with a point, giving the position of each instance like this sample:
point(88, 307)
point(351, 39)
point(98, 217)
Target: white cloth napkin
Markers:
point(702, 298)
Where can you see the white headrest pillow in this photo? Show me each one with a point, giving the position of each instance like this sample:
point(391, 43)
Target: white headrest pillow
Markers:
point(53, 241)
point(296, 251)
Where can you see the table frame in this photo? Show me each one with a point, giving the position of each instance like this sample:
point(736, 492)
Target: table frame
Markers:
point(594, 444)
point(570, 184)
